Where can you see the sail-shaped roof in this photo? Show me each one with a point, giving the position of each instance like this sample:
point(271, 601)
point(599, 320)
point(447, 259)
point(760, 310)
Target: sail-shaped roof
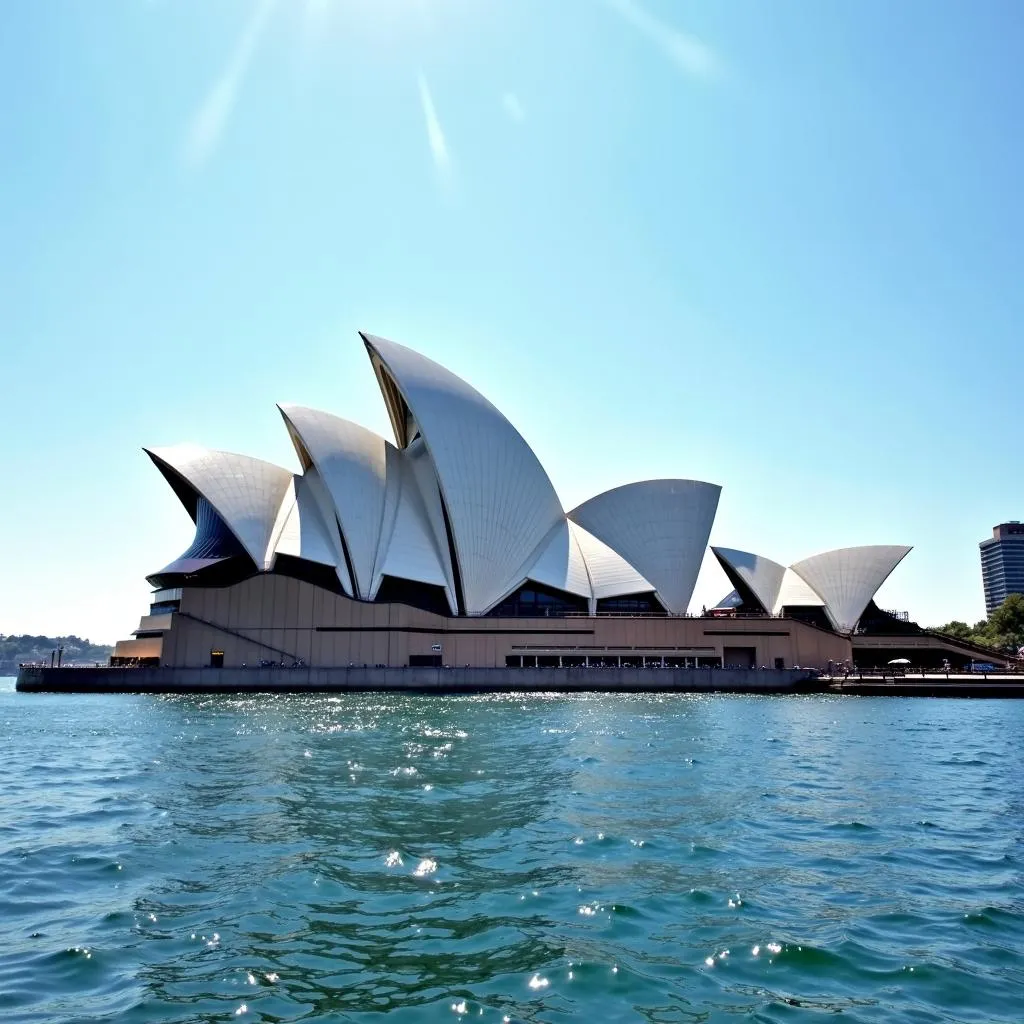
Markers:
point(461, 502)
point(842, 582)
point(352, 463)
point(560, 563)
point(410, 544)
point(660, 527)
point(610, 574)
point(300, 530)
point(245, 492)
point(796, 592)
point(848, 578)
point(499, 502)
point(754, 573)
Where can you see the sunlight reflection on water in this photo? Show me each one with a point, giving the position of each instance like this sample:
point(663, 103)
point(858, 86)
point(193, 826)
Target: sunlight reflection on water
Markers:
point(509, 858)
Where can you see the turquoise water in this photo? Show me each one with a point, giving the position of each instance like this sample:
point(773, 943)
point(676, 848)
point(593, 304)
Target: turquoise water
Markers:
point(616, 858)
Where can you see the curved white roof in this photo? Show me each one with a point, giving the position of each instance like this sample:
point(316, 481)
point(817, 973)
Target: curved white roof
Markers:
point(795, 592)
point(246, 493)
point(417, 457)
point(842, 582)
point(300, 530)
point(352, 462)
point(848, 578)
point(761, 575)
point(409, 548)
point(610, 574)
point(464, 504)
point(500, 502)
point(560, 564)
point(661, 527)
point(314, 487)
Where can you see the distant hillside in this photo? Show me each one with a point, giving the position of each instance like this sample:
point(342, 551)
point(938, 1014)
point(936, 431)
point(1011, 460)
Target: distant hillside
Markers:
point(14, 650)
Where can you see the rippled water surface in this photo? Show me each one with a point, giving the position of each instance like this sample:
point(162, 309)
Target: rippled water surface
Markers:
point(600, 858)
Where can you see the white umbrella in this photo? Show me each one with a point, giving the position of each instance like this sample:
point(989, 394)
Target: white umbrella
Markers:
point(900, 661)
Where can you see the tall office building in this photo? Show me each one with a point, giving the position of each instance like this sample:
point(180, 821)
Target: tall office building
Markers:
point(1002, 564)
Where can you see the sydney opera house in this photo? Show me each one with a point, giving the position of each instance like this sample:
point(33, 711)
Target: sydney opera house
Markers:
point(449, 545)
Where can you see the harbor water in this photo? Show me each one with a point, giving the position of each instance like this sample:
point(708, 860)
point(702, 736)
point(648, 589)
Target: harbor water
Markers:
point(659, 858)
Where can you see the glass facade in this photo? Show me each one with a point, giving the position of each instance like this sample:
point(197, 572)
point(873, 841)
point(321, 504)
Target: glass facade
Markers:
point(1002, 564)
point(535, 600)
point(425, 596)
point(634, 604)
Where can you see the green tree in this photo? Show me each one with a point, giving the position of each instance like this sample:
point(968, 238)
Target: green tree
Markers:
point(983, 633)
point(1006, 623)
point(14, 650)
point(958, 629)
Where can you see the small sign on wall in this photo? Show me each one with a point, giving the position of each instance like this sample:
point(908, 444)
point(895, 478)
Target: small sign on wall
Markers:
point(435, 647)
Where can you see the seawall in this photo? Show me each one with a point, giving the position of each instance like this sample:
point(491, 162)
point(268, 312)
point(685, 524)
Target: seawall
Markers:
point(938, 685)
point(422, 680)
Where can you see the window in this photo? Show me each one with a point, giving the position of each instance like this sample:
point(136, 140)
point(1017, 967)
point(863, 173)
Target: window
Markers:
point(319, 575)
point(536, 600)
point(634, 604)
point(427, 597)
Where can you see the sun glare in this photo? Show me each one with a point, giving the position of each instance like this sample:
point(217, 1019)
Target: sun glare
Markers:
point(320, 13)
point(384, 25)
point(399, 29)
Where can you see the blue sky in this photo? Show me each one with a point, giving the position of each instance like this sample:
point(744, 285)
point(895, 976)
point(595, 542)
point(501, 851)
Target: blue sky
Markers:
point(774, 246)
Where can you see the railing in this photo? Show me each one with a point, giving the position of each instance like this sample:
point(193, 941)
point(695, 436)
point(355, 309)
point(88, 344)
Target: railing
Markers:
point(893, 673)
point(77, 664)
point(656, 615)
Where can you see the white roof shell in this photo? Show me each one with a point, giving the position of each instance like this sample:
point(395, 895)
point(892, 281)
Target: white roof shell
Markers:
point(418, 459)
point(660, 527)
point(317, 491)
point(561, 564)
point(462, 502)
point(848, 578)
point(352, 462)
point(246, 493)
point(409, 548)
point(300, 530)
point(578, 563)
point(795, 592)
point(500, 503)
point(761, 575)
point(610, 574)
point(843, 581)
point(385, 507)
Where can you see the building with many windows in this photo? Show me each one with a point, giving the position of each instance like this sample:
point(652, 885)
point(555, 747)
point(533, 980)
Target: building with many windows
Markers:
point(449, 545)
point(1002, 564)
